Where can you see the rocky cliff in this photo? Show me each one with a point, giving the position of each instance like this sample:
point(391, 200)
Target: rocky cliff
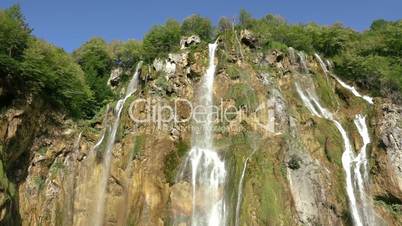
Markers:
point(51, 166)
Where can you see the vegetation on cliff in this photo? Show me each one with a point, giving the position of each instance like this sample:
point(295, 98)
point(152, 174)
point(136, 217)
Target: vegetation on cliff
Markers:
point(32, 67)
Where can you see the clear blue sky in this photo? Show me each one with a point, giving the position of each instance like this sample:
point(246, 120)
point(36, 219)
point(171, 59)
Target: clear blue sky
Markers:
point(69, 23)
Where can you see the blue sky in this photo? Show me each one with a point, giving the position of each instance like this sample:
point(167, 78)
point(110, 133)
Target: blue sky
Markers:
point(69, 23)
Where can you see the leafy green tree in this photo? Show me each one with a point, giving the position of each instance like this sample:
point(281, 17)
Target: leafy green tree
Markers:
point(126, 54)
point(224, 24)
point(14, 36)
point(198, 25)
point(161, 40)
point(96, 62)
point(245, 19)
point(14, 32)
point(55, 76)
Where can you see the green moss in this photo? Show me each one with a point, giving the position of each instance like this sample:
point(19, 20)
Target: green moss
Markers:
point(39, 182)
point(325, 91)
point(329, 137)
point(173, 160)
point(163, 84)
point(56, 167)
point(244, 96)
point(42, 151)
point(139, 145)
point(266, 179)
point(233, 71)
point(391, 203)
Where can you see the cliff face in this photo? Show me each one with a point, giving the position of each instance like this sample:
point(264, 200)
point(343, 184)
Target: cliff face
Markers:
point(52, 167)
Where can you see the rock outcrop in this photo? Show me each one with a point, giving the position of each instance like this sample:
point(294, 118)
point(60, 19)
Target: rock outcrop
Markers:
point(188, 41)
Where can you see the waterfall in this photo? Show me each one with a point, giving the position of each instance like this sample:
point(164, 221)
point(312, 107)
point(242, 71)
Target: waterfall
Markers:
point(208, 172)
point(322, 64)
point(347, 156)
point(343, 84)
point(303, 63)
point(98, 215)
point(70, 182)
point(240, 189)
point(361, 171)
point(292, 55)
point(353, 90)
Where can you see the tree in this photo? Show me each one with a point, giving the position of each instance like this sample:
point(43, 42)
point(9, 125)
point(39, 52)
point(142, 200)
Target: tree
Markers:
point(126, 54)
point(96, 62)
point(224, 24)
point(245, 19)
point(14, 32)
point(198, 25)
point(55, 76)
point(161, 40)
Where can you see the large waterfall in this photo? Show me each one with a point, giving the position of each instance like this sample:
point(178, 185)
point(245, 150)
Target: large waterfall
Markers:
point(208, 171)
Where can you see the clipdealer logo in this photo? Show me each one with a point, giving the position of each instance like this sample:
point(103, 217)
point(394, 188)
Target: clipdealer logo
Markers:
point(162, 113)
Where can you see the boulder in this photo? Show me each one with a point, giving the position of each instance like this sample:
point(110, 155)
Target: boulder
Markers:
point(274, 57)
point(248, 38)
point(115, 76)
point(188, 41)
point(180, 59)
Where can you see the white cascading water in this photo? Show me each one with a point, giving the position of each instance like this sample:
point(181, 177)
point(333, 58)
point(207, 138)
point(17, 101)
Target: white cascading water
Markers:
point(208, 172)
point(240, 189)
point(343, 84)
point(361, 171)
point(98, 215)
point(348, 156)
point(353, 90)
point(322, 64)
point(303, 63)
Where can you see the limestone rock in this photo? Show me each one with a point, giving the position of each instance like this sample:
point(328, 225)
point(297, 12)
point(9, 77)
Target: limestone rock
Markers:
point(390, 128)
point(115, 76)
point(188, 41)
point(248, 38)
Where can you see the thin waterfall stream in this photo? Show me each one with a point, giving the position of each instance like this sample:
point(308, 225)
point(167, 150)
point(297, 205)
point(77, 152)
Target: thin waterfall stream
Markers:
point(355, 167)
point(98, 214)
point(310, 100)
point(240, 188)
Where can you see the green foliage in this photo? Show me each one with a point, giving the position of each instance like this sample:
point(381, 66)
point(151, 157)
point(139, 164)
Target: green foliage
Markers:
point(161, 40)
point(198, 25)
point(56, 167)
point(54, 75)
point(245, 19)
point(96, 62)
point(371, 58)
point(14, 32)
point(139, 145)
point(126, 54)
point(14, 36)
point(224, 24)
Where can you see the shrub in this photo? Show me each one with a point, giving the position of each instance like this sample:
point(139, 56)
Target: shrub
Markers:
point(198, 25)
point(96, 62)
point(126, 54)
point(161, 40)
point(53, 74)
